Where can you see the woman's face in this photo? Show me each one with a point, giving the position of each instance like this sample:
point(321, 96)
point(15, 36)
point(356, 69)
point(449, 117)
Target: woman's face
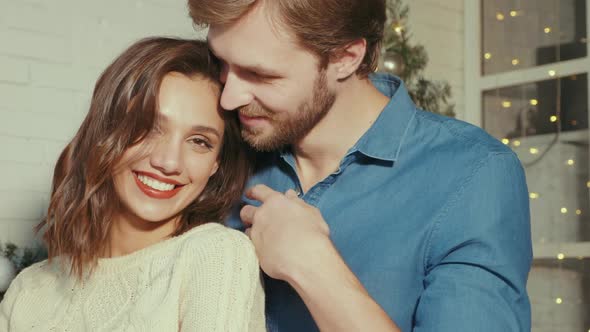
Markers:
point(160, 176)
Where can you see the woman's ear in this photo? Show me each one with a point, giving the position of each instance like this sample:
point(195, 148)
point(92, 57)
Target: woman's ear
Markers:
point(214, 169)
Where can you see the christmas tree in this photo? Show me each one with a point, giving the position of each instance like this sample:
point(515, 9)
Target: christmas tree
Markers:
point(408, 61)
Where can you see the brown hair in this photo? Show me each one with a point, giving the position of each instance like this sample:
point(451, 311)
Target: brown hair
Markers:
point(324, 27)
point(122, 113)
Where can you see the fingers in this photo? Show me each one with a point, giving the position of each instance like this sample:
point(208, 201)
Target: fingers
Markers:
point(291, 194)
point(260, 193)
point(247, 214)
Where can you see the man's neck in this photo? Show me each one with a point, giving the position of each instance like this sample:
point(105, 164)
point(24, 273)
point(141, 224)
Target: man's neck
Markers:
point(357, 106)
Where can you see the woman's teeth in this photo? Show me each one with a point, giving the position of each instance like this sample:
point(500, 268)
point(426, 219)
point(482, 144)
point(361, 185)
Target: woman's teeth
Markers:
point(155, 184)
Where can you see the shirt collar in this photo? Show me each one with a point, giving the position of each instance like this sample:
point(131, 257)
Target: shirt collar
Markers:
point(385, 138)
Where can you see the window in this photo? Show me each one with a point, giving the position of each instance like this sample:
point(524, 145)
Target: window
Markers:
point(527, 69)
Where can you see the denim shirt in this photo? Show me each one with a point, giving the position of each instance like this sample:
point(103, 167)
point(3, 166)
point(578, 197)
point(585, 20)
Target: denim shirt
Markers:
point(430, 213)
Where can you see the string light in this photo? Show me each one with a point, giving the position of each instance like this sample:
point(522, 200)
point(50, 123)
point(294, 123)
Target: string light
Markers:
point(534, 102)
point(534, 150)
point(553, 118)
point(513, 13)
point(552, 73)
point(571, 162)
point(516, 143)
point(487, 56)
point(563, 210)
point(558, 300)
point(560, 256)
point(506, 104)
point(505, 141)
point(547, 30)
point(534, 195)
point(579, 212)
point(500, 17)
point(398, 29)
point(515, 62)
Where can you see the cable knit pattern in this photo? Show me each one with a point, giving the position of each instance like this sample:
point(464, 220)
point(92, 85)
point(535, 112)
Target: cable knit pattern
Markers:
point(206, 279)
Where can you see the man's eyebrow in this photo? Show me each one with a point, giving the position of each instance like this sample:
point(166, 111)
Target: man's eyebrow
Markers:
point(259, 69)
point(256, 68)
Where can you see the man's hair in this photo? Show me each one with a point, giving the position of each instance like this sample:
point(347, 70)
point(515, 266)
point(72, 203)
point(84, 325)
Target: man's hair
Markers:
point(123, 112)
point(325, 27)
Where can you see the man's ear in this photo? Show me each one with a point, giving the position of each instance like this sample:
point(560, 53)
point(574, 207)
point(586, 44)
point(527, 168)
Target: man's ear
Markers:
point(347, 60)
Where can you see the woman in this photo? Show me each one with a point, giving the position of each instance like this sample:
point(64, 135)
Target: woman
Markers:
point(133, 229)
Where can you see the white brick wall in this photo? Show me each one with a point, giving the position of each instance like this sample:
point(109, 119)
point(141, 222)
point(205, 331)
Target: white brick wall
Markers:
point(51, 53)
point(438, 25)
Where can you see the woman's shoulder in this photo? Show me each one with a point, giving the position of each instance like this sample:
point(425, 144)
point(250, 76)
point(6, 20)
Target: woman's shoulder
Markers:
point(216, 236)
point(38, 275)
point(217, 242)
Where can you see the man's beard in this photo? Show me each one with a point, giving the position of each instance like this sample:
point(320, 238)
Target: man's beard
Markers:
point(289, 128)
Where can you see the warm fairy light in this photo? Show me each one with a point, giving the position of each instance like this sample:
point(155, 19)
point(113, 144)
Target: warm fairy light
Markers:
point(534, 102)
point(534, 195)
point(588, 184)
point(513, 13)
point(500, 17)
point(558, 300)
point(398, 29)
point(553, 118)
point(560, 256)
point(534, 150)
point(579, 212)
point(515, 62)
point(563, 210)
point(516, 143)
point(487, 56)
point(571, 162)
point(552, 73)
point(506, 103)
point(547, 30)
point(505, 140)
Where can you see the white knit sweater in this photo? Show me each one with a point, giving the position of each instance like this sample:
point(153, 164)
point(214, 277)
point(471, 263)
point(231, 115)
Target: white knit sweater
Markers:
point(206, 279)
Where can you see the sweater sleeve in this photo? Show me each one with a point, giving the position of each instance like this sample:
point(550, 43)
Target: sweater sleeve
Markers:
point(223, 290)
point(8, 302)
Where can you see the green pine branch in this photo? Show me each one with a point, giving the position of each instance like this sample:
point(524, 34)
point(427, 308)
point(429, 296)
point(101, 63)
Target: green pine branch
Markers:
point(429, 95)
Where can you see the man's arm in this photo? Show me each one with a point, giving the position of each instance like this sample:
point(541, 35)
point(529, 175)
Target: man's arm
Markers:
point(480, 254)
point(293, 244)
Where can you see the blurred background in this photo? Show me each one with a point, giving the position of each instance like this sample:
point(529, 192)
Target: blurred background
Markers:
point(517, 68)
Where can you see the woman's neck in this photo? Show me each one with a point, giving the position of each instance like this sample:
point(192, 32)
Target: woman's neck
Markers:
point(129, 234)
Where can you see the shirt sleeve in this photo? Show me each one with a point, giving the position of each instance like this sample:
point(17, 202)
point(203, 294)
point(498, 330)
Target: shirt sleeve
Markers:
point(479, 254)
point(8, 302)
point(224, 290)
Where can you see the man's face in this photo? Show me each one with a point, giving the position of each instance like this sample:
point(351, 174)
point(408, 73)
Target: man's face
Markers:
point(275, 85)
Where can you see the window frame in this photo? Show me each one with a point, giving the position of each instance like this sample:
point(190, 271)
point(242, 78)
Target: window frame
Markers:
point(476, 83)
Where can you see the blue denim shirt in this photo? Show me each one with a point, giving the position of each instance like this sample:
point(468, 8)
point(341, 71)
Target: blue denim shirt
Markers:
point(432, 216)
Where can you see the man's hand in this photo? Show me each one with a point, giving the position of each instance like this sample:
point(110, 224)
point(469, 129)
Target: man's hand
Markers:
point(285, 230)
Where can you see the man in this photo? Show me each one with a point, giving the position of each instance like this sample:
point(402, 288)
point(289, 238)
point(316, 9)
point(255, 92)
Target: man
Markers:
point(366, 213)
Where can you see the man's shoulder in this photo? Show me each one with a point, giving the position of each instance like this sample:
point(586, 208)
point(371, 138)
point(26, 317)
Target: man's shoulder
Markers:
point(457, 135)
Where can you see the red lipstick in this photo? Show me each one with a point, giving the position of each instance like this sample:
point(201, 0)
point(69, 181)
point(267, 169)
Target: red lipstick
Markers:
point(154, 193)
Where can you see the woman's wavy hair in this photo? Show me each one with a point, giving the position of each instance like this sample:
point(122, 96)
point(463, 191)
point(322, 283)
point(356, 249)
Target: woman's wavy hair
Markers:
point(122, 113)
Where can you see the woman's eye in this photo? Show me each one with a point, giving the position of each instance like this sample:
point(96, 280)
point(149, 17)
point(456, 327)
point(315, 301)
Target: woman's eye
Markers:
point(201, 142)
